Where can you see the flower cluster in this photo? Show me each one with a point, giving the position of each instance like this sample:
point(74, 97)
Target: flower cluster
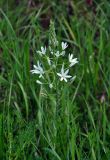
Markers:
point(53, 64)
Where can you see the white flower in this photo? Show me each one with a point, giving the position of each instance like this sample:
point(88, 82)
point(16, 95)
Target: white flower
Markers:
point(62, 53)
point(72, 60)
point(51, 85)
point(51, 52)
point(63, 75)
point(57, 54)
point(43, 51)
point(38, 70)
point(64, 45)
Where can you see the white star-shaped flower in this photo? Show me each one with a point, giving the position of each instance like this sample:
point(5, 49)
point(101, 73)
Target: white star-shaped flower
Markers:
point(72, 60)
point(51, 85)
point(64, 74)
point(43, 51)
point(64, 45)
point(38, 70)
point(57, 54)
point(62, 53)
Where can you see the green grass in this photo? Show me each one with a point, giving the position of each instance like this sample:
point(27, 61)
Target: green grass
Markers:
point(33, 125)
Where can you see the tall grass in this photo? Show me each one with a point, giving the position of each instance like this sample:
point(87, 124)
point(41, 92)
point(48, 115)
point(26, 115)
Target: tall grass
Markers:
point(29, 127)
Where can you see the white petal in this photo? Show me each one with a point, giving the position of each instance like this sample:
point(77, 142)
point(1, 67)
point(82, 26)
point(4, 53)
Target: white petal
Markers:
point(72, 64)
point(40, 76)
point(38, 64)
point(66, 72)
point(73, 78)
point(35, 66)
point(43, 50)
point(51, 85)
point(39, 52)
point(68, 76)
point(39, 82)
point(34, 71)
point(74, 60)
point(64, 45)
point(59, 74)
point(57, 54)
point(61, 79)
point(62, 53)
point(65, 79)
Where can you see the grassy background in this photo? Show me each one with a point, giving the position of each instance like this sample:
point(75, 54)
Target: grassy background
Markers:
point(28, 128)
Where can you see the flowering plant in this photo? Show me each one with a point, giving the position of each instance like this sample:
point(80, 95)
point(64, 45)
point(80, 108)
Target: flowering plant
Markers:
point(53, 64)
